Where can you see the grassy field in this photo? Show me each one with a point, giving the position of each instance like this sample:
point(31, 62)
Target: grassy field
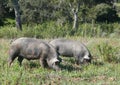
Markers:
point(99, 72)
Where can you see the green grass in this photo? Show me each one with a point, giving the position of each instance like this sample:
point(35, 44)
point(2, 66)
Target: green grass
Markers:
point(52, 30)
point(31, 73)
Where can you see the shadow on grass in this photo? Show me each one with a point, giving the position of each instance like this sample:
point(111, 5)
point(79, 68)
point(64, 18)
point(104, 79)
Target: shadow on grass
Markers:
point(74, 67)
point(70, 68)
point(34, 65)
point(31, 65)
point(98, 63)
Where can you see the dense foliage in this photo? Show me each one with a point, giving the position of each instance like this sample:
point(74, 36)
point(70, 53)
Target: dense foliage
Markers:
point(40, 11)
point(5, 12)
point(105, 12)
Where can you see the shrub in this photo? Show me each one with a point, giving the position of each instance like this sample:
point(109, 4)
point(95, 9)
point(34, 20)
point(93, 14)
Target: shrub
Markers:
point(8, 32)
point(108, 53)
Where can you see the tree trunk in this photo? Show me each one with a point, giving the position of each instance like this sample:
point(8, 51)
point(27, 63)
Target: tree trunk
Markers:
point(75, 22)
point(75, 14)
point(17, 14)
point(1, 9)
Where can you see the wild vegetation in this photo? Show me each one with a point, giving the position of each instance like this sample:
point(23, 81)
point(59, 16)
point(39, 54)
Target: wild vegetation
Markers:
point(63, 12)
point(52, 30)
point(93, 22)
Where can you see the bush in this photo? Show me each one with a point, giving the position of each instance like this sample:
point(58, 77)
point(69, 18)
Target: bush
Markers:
point(1, 22)
point(8, 32)
point(108, 53)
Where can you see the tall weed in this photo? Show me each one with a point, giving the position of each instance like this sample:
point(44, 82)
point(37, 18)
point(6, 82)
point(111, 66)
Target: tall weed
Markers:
point(52, 30)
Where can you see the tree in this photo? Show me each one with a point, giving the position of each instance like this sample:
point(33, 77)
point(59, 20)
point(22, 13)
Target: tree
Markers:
point(61, 11)
point(75, 6)
point(105, 13)
point(17, 14)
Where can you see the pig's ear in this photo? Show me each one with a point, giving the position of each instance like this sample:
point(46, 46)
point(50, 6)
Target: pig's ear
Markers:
point(86, 57)
point(54, 60)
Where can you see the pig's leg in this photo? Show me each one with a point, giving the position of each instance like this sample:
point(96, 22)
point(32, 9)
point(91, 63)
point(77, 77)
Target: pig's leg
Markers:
point(20, 59)
point(42, 62)
point(12, 56)
point(78, 60)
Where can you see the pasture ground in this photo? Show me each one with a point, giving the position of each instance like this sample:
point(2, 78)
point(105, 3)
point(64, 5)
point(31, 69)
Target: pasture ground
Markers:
point(98, 72)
